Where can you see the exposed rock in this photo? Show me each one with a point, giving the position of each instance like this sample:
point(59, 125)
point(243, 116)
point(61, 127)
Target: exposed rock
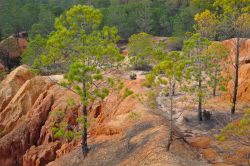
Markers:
point(210, 154)
point(14, 144)
point(244, 70)
point(200, 142)
point(41, 155)
point(14, 45)
point(66, 148)
point(105, 130)
point(60, 103)
point(115, 137)
point(244, 60)
point(12, 84)
point(22, 102)
point(221, 164)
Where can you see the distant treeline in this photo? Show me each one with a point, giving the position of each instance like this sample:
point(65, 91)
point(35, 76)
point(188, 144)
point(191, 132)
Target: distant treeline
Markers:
point(157, 17)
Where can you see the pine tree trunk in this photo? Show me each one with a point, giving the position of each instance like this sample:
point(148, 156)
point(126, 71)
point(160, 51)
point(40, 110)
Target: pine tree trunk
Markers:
point(200, 102)
point(236, 81)
point(170, 133)
point(215, 82)
point(173, 90)
point(85, 120)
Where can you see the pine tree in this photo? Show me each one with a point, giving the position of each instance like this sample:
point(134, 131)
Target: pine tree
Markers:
point(169, 72)
point(85, 52)
point(233, 19)
point(195, 48)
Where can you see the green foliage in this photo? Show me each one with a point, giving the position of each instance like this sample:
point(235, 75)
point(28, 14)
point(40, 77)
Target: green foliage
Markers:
point(127, 93)
point(230, 13)
point(35, 48)
point(120, 85)
point(2, 75)
point(60, 128)
point(204, 67)
point(151, 100)
point(216, 52)
point(44, 24)
point(134, 116)
point(80, 121)
point(58, 133)
point(173, 44)
point(207, 24)
point(171, 70)
point(144, 19)
point(71, 102)
point(58, 114)
point(69, 135)
point(199, 63)
point(238, 131)
point(158, 17)
point(143, 51)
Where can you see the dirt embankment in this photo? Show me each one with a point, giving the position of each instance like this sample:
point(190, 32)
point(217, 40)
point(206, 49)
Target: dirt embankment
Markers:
point(244, 69)
point(122, 131)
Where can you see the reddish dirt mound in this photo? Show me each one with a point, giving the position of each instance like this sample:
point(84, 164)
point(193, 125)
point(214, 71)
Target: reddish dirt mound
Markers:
point(244, 69)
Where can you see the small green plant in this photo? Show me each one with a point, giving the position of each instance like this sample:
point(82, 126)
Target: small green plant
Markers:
point(69, 135)
point(71, 102)
point(134, 116)
point(60, 129)
point(127, 93)
point(59, 133)
point(80, 121)
point(57, 114)
point(2, 75)
point(151, 100)
point(238, 131)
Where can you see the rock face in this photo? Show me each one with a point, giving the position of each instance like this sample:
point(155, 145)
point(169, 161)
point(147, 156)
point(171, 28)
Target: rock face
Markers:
point(36, 156)
point(244, 70)
point(15, 45)
point(14, 144)
point(12, 84)
point(11, 49)
point(121, 131)
point(21, 103)
point(25, 119)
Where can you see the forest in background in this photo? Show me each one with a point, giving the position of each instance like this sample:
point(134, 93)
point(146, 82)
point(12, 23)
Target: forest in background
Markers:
point(156, 17)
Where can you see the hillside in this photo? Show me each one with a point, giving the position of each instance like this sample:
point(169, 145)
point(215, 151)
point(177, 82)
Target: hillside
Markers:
point(124, 132)
point(124, 82)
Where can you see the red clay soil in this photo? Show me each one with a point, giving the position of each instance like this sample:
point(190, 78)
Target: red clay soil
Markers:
point(122, 131)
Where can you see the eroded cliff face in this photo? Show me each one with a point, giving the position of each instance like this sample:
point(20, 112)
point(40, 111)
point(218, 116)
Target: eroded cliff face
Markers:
point(244, 69)
point(122, 130)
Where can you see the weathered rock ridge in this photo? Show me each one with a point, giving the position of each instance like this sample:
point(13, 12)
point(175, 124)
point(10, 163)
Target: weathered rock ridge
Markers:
point(122, 130)
point(244, 69)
